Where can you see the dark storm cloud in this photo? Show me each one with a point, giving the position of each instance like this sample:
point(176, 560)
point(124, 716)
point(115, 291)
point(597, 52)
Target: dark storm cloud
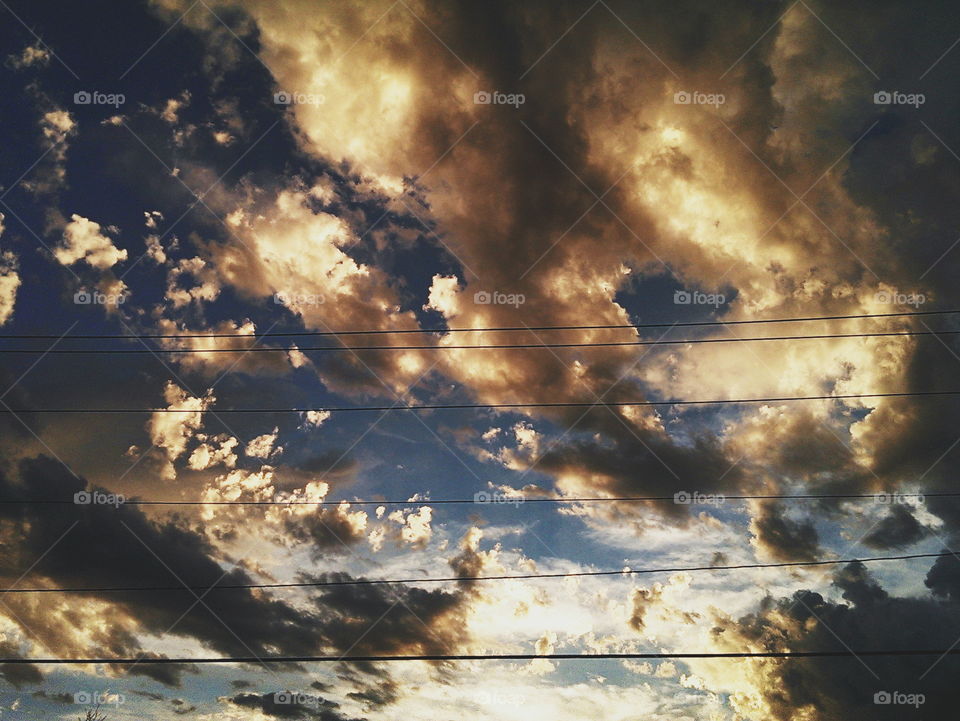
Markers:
point(110, 546)
point(944, 577)
point(782, 537)
point(119, 546)
point(624, 458)
point(411, 620)
point(329, 530)
point(18, 674)
point(56, 697)
point(898, 529)
point(844, 689)
point(857, 585)
point(291, 705)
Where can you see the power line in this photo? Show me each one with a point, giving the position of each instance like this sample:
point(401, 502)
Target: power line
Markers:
point(842, 653)
point(471, 579)
point(612, 326)
point(492, 406)
point(491, 346)
point(494, 499)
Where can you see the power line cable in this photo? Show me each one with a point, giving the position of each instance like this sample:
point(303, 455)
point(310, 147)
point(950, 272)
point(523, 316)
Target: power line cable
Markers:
point(492, 406)
point(296, 334)
point(840, 653)
point(492, 346)
point(495, 498)
point(470, 579)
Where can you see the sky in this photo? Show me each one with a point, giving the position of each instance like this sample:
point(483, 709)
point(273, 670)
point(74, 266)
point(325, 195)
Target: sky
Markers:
point(202, 203)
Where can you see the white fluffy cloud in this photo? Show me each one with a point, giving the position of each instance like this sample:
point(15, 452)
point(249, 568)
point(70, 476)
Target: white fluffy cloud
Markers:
point(9, 281)
point(263, 446)
point(83, 239)
point(171, 432)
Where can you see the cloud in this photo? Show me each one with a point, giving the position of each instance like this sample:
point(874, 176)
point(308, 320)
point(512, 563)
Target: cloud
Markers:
point(171, 432)
point(315, 419)
point(32, 55)
point(57, 126)
point(827, 689)
point(299, 705)
point(9, 283)
point(214, 451)
point(263, 446)
point(205, 287)
point(898, 529)
point(82, 240)
point(782, 538)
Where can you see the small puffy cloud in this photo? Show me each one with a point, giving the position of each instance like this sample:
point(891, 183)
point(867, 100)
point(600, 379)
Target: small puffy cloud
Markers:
point(222, 137)
point(237, 484)
point(314, 419)
point(151, 218)
point(171, 432)
point(173, 106)
point(214, 451)
point(444, 296)
point(83, 240)
point(263, 446)
point(9, 282)
point(31, 55)
point(155, 251)
point(415, 528)
point(56, 126)
point(205, 287)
